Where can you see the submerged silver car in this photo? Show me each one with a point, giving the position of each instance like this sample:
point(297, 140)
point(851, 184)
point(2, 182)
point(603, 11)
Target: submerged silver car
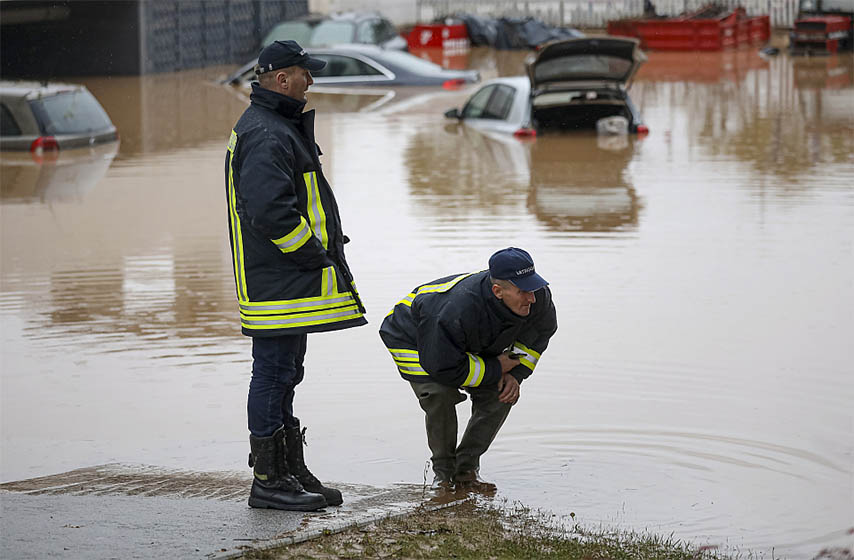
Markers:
point(570, 85)
point(369, 65)
point(46, 117)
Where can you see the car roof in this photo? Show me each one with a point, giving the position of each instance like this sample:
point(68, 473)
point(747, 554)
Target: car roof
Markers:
point(368, 49)
point(518, 82)
point(348, 16)
point(34, 90)
point(354, 15)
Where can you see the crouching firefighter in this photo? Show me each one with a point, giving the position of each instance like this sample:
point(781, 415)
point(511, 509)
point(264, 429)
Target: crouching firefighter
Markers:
point(483, 333)
point(289, 268)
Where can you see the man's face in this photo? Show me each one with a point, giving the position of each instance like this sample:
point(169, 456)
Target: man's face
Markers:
point(296, 82)
point(518, 301)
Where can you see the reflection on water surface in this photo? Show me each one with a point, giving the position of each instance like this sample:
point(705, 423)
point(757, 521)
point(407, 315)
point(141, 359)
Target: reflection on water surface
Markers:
point(699, 383)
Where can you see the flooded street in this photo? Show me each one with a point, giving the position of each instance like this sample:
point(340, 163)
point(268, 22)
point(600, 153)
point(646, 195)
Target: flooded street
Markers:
point(700, 382)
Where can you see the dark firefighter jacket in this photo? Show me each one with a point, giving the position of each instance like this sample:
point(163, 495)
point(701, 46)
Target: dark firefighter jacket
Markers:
point(451, 331)
point(286, 240)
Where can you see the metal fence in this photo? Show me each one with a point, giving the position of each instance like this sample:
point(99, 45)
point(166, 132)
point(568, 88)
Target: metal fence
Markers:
point(596, 13)
point(196, 33)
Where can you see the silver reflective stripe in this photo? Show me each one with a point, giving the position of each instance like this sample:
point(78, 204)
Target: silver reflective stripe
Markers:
point(405, 355)
point(527, 355)
point(296, 305)
point(410, 369)
point(295, 240)
point(312, 319)
point(330, 280)
point(478, 371)
point(442, 287)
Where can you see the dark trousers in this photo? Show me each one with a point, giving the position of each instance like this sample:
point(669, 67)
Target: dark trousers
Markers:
point(277, 368)
point(439, 404)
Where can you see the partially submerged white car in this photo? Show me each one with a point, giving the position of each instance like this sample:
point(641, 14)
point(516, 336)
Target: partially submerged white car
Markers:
point(570, 85)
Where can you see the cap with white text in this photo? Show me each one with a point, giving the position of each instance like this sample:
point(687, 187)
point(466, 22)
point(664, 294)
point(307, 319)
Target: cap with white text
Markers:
point(281, 54)
point(517, 266)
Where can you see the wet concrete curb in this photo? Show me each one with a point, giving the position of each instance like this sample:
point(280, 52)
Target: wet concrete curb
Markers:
point(134, 511)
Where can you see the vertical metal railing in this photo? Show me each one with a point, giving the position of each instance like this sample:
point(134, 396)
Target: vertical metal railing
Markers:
point(596, 13)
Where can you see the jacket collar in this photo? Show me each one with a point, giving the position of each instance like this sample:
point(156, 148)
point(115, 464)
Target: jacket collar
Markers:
point(286, 106)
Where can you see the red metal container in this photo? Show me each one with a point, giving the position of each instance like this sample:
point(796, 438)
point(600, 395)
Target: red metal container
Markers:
point(695, 32)
point(438, 35)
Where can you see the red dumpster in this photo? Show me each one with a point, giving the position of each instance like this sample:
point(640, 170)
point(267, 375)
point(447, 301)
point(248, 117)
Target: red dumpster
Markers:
point(704, 30)
point(437, 35)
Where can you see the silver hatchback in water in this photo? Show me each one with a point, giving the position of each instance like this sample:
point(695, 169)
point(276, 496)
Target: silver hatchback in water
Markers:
point(42, 117)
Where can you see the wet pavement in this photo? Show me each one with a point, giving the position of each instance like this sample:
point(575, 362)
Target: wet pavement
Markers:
point(125, 511)
point(700, 381)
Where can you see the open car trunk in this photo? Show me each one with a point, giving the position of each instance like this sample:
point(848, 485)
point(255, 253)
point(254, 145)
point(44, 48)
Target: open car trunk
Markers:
point(576, 82)
point(578, 109)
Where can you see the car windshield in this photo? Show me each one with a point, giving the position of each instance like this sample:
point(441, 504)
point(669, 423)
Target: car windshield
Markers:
point(70, 112)
point(298, 31)
point(582, 67)
point(331, 33)
point(412, 63)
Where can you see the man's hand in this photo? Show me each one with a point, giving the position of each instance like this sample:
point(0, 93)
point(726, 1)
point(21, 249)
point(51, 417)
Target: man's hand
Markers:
point(507, 363)
point(508, 389)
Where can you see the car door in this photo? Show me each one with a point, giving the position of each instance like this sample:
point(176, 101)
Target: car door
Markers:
point(490, 107)
point(11, 135)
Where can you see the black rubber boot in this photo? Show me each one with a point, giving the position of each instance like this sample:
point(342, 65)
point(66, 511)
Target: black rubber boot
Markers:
point(295, 440)
point(273, 485)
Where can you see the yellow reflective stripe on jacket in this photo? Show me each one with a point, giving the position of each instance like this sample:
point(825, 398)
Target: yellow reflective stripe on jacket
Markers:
point(294, 320)
point(330, 307)
point(407, 361)
point(294, 305)
point(477, 368)
point(404, 354)
point(295, 239)
point(529, 358)
point(432, 288)
point(316, 214)
point(236, 234)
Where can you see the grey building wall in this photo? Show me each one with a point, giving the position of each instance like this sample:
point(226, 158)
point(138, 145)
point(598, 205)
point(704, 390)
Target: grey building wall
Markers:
point(58, 38)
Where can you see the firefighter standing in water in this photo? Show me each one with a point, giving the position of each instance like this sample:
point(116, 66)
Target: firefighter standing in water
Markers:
point(290, 272)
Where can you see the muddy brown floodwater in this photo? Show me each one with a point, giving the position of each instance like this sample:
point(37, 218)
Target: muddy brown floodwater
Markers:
point(701, 380)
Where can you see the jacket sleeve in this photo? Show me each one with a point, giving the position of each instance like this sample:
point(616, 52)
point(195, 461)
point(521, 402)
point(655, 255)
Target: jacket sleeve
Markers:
point(269, 200)
point(441, 342)
point(534, 340)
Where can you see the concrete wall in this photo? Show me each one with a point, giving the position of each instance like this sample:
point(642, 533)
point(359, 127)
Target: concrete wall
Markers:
point(197, 33)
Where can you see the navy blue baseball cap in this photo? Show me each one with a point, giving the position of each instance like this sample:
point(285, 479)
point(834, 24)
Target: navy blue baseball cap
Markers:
point(516, 266)
point(281, 54)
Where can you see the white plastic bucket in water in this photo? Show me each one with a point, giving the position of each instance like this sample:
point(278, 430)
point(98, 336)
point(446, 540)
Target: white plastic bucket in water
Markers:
point(613, 125)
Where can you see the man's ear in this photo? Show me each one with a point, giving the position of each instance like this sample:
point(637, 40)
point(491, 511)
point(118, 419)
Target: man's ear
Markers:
point(496, 289)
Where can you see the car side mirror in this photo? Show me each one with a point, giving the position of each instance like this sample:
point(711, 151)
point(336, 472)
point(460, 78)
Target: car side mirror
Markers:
point(453, 114)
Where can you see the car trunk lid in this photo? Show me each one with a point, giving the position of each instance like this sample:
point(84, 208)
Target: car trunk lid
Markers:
point(568, 62)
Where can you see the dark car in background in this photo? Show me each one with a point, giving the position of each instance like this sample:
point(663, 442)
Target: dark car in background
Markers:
point(370, 65)
point(314, 30)
point(42, 117)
